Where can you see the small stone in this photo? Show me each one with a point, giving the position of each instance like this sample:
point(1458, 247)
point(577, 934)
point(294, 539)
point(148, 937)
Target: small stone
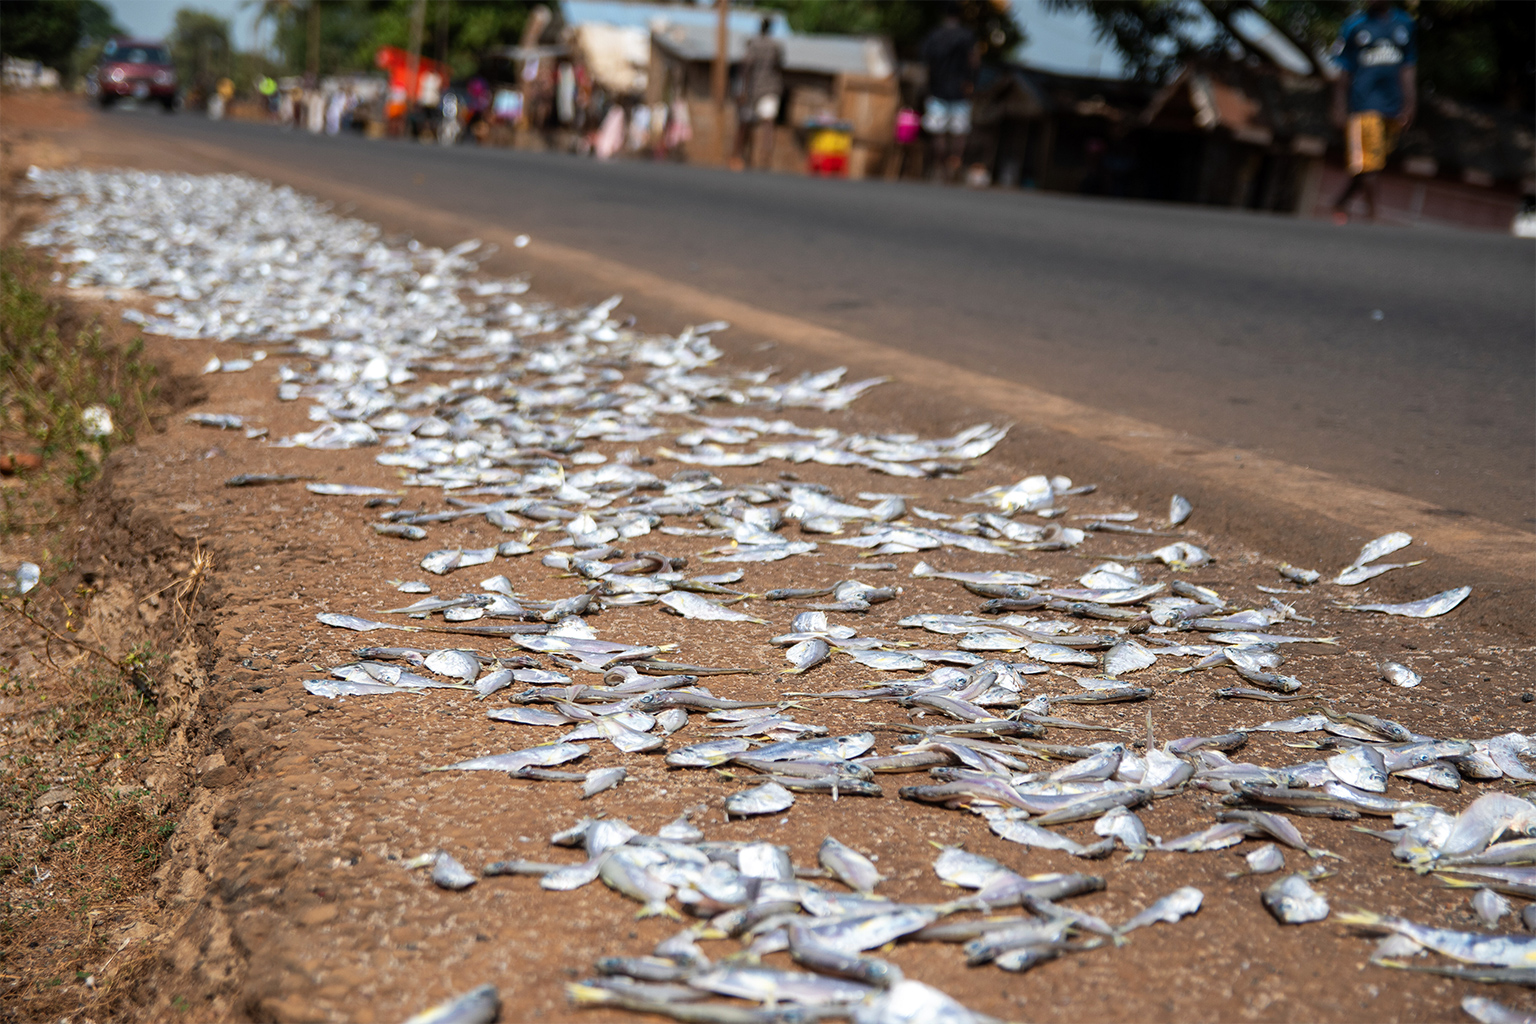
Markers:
point(316, 916)
point(218, 778)
point(1526, 698)
point(56, 795)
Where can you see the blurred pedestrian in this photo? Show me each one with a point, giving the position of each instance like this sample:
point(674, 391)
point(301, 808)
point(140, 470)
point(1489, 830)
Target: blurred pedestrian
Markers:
point(951, 54)
point(335, 107)
point(429, 98)
point(762, 83)
point(1376, 95)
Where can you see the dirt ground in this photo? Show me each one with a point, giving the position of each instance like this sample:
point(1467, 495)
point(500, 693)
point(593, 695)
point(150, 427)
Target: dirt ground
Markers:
point(281, 896)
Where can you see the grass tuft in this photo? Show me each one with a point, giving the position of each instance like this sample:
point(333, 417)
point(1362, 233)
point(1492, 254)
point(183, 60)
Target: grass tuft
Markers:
point(52, 369)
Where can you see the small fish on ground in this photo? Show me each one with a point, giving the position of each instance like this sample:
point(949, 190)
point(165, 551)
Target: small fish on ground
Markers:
point(1293, 901)
point(477, 1006)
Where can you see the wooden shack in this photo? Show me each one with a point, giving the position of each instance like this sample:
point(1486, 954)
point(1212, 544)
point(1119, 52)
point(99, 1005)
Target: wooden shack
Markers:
point(846, 78)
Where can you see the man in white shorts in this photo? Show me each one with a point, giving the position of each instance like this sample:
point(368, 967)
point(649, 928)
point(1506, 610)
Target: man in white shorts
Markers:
point(951, 55)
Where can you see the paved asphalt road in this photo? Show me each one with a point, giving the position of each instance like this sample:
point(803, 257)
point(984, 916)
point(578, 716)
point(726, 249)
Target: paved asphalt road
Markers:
point(1397, 358)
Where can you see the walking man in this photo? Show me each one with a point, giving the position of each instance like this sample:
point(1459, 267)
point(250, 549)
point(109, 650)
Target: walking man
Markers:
point(1376, 95)
point(762, 82)
point(951, 55)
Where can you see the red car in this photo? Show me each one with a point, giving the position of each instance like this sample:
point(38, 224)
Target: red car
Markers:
point(135, 67)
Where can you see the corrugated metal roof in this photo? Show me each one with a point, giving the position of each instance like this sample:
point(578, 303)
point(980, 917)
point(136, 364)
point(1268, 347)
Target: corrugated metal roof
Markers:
point(826, 54)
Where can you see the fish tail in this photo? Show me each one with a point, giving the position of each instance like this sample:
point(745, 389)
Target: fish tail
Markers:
point(588, 995)
point(1363, 918)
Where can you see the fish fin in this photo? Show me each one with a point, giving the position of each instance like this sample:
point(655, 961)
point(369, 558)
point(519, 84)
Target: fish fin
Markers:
point(1460, 883)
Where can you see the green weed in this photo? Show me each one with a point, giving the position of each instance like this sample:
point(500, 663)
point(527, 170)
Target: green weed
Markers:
point(52, 369)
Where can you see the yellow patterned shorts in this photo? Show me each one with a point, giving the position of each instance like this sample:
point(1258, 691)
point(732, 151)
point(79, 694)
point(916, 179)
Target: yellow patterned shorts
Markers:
point(1369, 137)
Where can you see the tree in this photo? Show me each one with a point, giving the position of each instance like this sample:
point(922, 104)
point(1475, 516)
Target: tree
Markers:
point(200, 49)
point(1472, 51)
point(51, 30)
point(351, 31)
point(905, 22)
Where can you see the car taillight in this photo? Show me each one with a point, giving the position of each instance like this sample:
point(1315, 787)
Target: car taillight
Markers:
point(118, 74)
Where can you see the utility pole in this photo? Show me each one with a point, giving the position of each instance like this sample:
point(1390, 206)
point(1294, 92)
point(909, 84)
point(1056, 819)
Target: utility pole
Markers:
point(718, 75)
point(312, 65)
point(413, 52)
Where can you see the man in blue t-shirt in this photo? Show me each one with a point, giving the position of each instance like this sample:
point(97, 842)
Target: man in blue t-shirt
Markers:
point(1375, 95)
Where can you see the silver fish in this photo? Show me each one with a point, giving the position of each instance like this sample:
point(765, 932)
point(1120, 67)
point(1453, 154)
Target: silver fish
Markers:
point(707, 754)
point(1000, 577)
point(1361, 767)
point(1400, 675)
point(968, 870)
point(1484, 820)
point(1026, 834)
point(806, 655)
point(631, 741)
point(911, 1002)
point(769, 986)
point(477, 1006)
point(405, 530)
point(543, 757)
point(221, 420)
point(1293, 901)
point(601, 779)
point(1265, 860)
point(1178, 904)
point(680, 831)
point(448, 873)
point(692, 606)
point(1216, 837)
point(1489, 1011)
point(454, 664)
point(1179, 509)
point(331, 689)
point(671, 720)
point(1124, 825)
point(353, 490)
point(1438, 774)
point(627, 872)
point(1127, 656)
point(1468, 947)
point(1428, 608)
point(1490, 907)
point(1358, 574)
point(353, 623)
point(807, 950)
point(572, 876)
point(1304, 577)
point(848, 865)
point(769, 798)
point(1383, 545)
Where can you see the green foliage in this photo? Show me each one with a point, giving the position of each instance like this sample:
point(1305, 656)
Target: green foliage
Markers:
point(905, 22)
point(1479, 51)
point(351, 31)
point(200, 49)
point(49, 30)
point(50, 373)
point(1473, 51)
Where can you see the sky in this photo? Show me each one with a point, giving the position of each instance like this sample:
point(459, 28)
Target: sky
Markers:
point(1058, 42)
